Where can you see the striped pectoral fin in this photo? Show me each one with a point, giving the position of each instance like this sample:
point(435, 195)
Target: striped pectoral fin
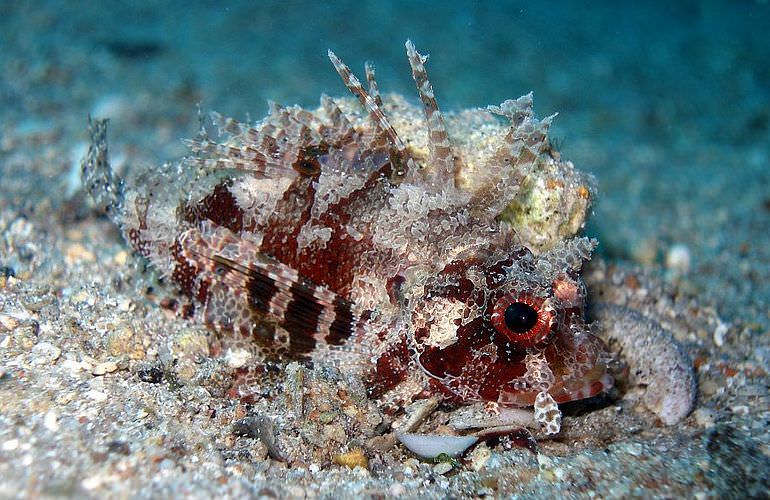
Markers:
point(308, 315)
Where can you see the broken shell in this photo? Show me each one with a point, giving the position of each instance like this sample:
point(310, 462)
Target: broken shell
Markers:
point(433, 445)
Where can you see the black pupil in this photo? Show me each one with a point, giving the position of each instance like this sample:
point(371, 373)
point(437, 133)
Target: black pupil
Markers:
point(520, 317)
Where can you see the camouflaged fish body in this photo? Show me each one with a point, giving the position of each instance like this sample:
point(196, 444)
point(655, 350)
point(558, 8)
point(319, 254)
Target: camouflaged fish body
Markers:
point(381, 237)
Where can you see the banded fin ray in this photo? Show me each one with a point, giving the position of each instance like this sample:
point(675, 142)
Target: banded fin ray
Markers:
point(285, 144)
point(341, 126)
point(374, 89)
point(442, 157)
point(400, 155)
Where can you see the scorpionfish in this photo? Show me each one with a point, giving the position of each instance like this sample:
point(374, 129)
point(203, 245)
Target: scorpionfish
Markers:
point(371, 234)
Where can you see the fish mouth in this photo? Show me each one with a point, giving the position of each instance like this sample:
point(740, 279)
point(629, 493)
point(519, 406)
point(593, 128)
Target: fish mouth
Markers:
point(593, 382)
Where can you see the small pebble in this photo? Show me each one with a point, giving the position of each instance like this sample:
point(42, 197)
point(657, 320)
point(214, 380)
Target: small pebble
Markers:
point(479, 457)
point(104, 368)
point(45, 353)
point(93, 482)
point(8, 322)
point(719, 334)
point(77, 252)
point(326, 417)
point(740, 409)
point(120, 341)
point(10, 445)
point(51, 421)
point(709, 387)
point(705, 417)
point(83, 297)
point(442, 467)
point(120, 258)
point(678, 259)
point(351, 459)
point(97, 396)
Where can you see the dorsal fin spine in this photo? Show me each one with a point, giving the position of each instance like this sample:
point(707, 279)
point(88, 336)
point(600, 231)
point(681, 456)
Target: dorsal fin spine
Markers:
point(442, 157)
point(405, 159)
point(374, 89)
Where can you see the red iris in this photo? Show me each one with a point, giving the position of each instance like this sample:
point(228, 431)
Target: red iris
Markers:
point(524, 320)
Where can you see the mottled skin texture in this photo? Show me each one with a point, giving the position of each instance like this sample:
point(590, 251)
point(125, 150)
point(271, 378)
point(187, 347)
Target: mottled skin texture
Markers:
point(372, 241)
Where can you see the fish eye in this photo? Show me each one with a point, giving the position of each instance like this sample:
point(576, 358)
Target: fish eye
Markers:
point(524, 320)
point(520, 317)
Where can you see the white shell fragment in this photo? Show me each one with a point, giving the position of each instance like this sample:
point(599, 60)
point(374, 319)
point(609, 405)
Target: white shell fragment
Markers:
point(433, 445)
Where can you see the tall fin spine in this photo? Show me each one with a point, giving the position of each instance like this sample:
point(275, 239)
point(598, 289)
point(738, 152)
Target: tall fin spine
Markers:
point(403, 157)
point(374, 89)
point(443, 161)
